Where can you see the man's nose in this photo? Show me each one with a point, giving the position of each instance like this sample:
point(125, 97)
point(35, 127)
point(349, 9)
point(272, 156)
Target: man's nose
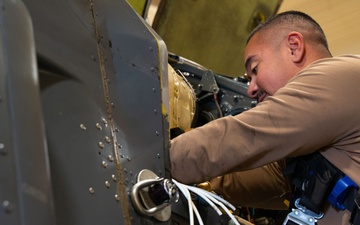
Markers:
point(252, 89)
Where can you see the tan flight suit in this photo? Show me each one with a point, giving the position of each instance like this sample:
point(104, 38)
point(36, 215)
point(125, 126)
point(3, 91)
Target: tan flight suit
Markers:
point(317, 110)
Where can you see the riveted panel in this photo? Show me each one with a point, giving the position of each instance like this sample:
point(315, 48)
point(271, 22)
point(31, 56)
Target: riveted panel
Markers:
point(101, 69)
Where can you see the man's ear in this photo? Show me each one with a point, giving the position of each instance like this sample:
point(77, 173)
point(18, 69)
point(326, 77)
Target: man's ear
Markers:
point(296, 45)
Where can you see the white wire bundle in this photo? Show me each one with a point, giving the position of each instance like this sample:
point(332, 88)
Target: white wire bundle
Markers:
point(209, 197)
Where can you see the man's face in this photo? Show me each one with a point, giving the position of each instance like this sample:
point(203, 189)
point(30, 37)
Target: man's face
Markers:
point(268, 67)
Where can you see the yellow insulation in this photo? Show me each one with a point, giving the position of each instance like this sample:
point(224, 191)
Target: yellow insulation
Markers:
point(182, 101)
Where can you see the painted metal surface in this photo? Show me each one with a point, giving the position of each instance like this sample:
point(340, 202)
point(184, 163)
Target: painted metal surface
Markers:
point(102, 106)
point(83, 104)
point(100, 69)
point(25, 187)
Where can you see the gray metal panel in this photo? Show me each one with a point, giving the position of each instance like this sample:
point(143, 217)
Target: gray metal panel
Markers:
point(101, 69)
point(25, 187)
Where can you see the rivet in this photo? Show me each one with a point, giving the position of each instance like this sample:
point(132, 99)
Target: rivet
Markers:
point(82, 126)
point(112, 105)
point(107, 184)
point(158, 155)
point(119, 145)
point(7, 206)
point(125, 170)
point(128, 159)
point(122, 156)
point(104, 121)
point(91, 190)
point(104, 164)
point(157, 133)
point(131, 173)
point(117, 129)
point(93, 58)
point(311, 220)
point(155, 111)
point(113, 177)
point(98, 126)
point(2, 149)
point(107, 139)
point(117, 198)
point(154, 90)
point(111, 158)
point(151, 49)
point(101, 145)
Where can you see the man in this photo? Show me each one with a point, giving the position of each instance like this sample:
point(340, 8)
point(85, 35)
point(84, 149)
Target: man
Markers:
point(308, 101)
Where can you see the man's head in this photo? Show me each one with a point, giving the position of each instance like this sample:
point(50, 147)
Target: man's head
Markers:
point(279, 48)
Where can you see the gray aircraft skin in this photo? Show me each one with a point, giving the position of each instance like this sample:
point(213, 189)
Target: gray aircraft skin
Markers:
point(82, 98)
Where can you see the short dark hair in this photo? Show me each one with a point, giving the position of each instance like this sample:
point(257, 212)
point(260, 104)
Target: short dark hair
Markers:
point(296, 20)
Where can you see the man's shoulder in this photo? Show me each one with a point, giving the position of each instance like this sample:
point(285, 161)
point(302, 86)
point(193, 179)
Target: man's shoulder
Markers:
point(331, 69)
point(335, 64)
point(339, 59)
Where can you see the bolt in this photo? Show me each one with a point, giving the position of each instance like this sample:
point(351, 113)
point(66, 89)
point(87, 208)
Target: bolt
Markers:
point(104, 164)
point(2, 149)
point(91, 190)
point(82, 126)
point(7, 206)
point(98, 126)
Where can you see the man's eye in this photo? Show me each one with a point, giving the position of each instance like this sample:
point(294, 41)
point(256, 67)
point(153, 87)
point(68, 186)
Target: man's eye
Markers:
point(254, 70)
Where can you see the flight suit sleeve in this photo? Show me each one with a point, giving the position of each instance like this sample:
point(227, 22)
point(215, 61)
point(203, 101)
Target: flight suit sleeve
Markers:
point(264, 187)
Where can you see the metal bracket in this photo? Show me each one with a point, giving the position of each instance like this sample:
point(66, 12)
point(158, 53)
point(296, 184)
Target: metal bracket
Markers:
point(301, 216)
point(152, 196)
point(297, 217)
point(208, 83)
